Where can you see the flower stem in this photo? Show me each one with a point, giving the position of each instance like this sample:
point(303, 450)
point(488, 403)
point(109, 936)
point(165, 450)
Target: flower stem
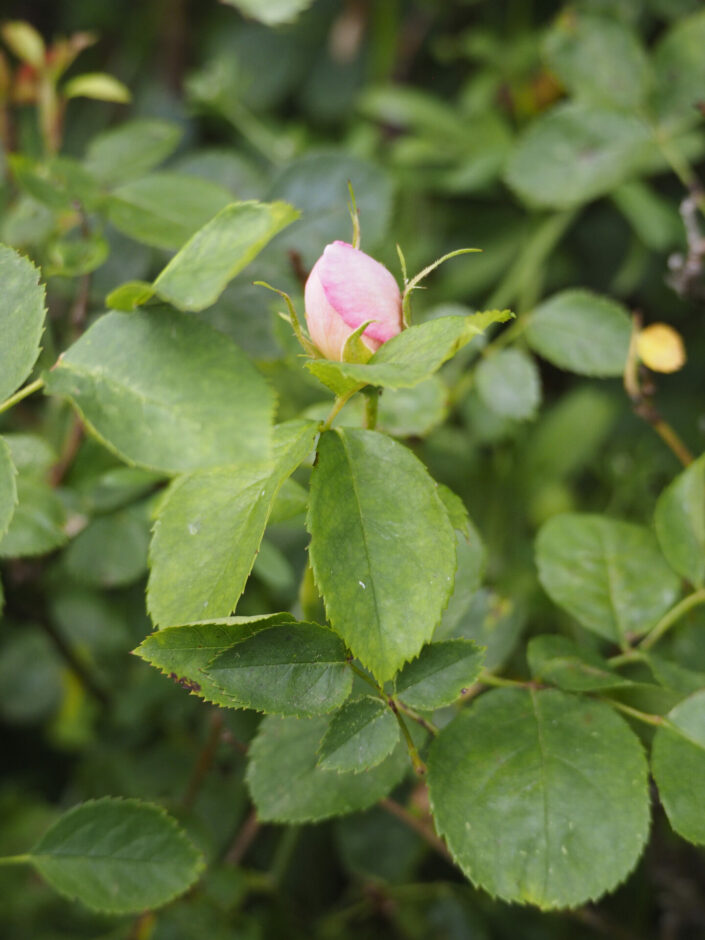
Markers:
point(371, 409)
point(22, 393)
point(655, 720)
point(340, 403)
point(418, 764)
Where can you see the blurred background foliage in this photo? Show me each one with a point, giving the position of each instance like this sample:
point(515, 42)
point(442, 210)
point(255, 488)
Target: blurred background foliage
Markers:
point(514, 126)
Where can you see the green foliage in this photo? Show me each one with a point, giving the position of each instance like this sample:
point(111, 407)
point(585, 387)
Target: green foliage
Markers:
point(359, 736)
point(118, 856)
point(563, 779)
point(610, 575)
point(578, 331)
point(680, 522)
point(140, 382)
point(442, 672)
point(678, 762)
point(305, 792)
point(293, 669)
point(21, 319)
point(370, 551)
point(342, 560)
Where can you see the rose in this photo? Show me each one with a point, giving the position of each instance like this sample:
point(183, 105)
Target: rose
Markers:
point(345, 289)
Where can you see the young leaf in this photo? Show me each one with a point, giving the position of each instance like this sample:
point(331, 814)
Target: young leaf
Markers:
point(440, 674)
point(131, 149)
point(96, 85)
point(165, 209)
point(129, 296)
point(609, 575)
point(210, 527)
point(384, 566)
point(182, 653)
point(117, 856)
point(8, 487)
point(410, 357)
point(509, 384)
point(158, 388)
point(680, 522)
point(581, 332)
point(200, 272)
point(678, 765)
point(112, 550)
point(359, 736)
point(558, 660)
point(287, 785)
point(293, 669)
point(562, 779)
point(21, 319)
point(24, 40)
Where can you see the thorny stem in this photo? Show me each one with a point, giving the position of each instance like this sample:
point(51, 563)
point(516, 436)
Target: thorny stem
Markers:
point(671, 617)
point(244, 838)
point(22, 393)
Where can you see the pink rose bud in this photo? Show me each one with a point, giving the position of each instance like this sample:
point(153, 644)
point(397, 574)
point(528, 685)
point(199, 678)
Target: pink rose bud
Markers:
point(345, 289)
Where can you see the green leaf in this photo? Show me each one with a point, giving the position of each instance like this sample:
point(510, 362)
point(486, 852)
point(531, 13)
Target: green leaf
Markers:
point(409, 358)
point(293, 669)
point(678, 766)
point(287, 785)
point(680, 71)
point(130, 296)
point(8, 487)
point(183, 653)
point(609, 575)
point(581, 332)
point(317, 184)
point(442, 672)
point(74, 256)
point(37, 525)
point(673, 675)
point(57, 183)
point(359, 736)
point(165, 209)
point(131, 149)
point(200, 272)
point(112, 550)
point(158, 388)
point(96, 85)
point(598, 59)
point(542, 797)
point(273, 12)
point(509, 384)
point(575, 152)
point(680, 522)
point(558, 660)
point(26, 43)
point(209, 529)
point(384, 565)
point(117, 856)
point(21, 319)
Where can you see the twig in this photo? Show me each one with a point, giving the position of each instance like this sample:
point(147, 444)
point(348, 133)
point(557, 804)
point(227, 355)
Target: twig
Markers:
point(243, 839)
point(205, 759)
point(418, 825)
point(68, 454)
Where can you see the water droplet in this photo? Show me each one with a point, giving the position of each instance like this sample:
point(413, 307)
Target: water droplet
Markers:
point(362, 584)
point(193, 528)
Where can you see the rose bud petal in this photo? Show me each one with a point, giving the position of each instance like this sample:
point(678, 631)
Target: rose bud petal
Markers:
point(345, 289)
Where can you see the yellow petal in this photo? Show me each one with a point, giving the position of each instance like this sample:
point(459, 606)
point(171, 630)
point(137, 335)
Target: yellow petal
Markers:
point(661, 348)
